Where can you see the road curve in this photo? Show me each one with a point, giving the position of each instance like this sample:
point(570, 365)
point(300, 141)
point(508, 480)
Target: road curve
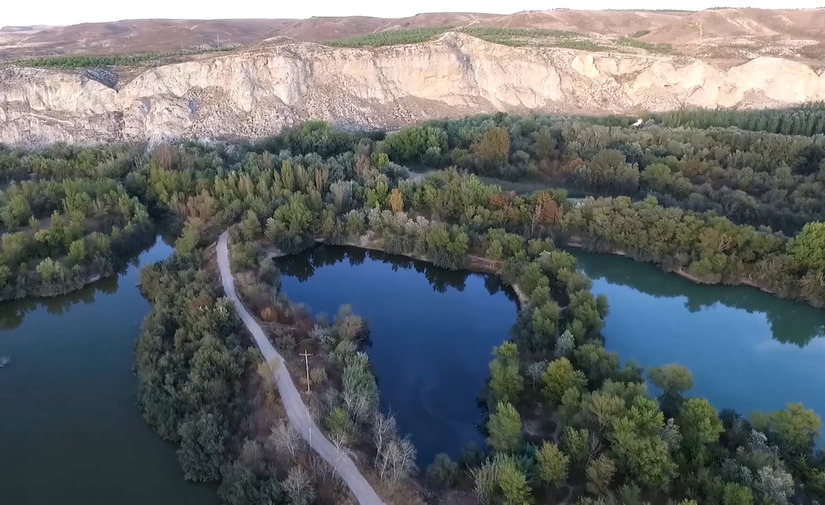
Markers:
point(291, 398)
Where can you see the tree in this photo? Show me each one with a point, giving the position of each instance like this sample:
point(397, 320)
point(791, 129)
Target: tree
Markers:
point(285, 439)
point(545, 213)
point(398, 459)
point(504, 429)
point(340, 427)
point(576, 444)
point(699, 424)
point(638, 447)
point(298, 487)
point(384, 429)
point(493, 149)
point(553, 465)
point(795, 428)
point(513, 484)
point(808, 247)
point(735, 494)
point(559, 377)
point(673, 380)
point(600, 475)
point(241, 486)
point(609, 172)
point(506, 384)
point(396, 201)
point(202, 447)
point(360, 393)
point(443, 470)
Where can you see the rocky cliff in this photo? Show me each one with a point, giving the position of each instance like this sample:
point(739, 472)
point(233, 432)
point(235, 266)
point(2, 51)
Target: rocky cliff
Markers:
point(256, 92)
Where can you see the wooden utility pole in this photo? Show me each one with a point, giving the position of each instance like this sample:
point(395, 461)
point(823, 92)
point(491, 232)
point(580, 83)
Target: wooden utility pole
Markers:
point(306, 356)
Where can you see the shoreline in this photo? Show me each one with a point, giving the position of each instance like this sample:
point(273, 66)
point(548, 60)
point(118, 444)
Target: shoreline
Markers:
point(369, 242)
point(681, 273)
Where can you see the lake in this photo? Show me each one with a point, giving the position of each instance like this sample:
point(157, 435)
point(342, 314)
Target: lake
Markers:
point(70, 432)
point(747, 350)
point(432, 334)
point(433, 331)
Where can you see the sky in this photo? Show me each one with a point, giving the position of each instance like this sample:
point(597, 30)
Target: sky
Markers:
point(63, 12)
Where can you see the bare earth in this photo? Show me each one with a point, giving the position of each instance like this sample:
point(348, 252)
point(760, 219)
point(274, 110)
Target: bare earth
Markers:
point(276, 74)
point(737, 34)
point(294, 405)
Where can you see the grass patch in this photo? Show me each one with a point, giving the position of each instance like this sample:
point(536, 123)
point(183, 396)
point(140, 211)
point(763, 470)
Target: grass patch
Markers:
point(640, 44)
point(534, 37)
point(75, 62)
point(390, 38)
point(505, 36)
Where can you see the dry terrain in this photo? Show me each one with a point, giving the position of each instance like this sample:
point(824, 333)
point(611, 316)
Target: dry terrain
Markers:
point(247, 78)
point(717, 33)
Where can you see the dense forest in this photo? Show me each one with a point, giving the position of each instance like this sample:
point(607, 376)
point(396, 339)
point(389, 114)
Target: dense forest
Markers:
point(66, 219)
point(716, 205)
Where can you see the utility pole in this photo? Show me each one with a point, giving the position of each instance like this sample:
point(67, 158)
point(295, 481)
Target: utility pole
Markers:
point(306, 356)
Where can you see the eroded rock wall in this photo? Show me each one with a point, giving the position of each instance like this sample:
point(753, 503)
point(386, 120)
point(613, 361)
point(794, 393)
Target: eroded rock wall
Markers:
point(258, 92)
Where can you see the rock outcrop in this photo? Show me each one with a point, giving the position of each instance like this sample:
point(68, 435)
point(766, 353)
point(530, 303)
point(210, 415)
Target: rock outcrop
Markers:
point(256, 92)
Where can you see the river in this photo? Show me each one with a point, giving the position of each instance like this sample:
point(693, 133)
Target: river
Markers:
point(747, 350)
point(69, 429)
point(432, 334)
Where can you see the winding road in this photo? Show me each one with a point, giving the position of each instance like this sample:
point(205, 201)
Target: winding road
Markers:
point(291, 398)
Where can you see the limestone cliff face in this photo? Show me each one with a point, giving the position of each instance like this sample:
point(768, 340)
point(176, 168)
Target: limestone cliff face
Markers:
point(258, 92)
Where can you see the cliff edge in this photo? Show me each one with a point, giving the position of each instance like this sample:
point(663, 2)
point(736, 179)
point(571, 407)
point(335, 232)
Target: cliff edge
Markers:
point(258, 91)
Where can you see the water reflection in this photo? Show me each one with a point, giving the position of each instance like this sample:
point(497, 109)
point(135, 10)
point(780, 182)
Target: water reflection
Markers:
point(747, 349)
point(14, 311)
point(68, 402)
point(303, 266)
point(790, 322)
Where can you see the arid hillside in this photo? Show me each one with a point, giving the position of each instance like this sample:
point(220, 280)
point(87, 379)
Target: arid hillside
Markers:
point(722, 33)
point(135, 80)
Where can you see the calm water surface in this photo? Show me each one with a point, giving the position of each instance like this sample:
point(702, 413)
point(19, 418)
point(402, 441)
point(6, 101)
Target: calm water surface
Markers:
point(747, 350)
point(432, 331)
point(69, 429)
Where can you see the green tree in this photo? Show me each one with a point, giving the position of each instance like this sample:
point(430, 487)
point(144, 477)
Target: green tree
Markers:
point(506, 383)
point(795, 428)
point(559, 377)
point(638, 446)
point(513, 484)
point(504, 429)
point(808, 247)
point(576, 444)
point(443, 470)
point(699, 424)
point(600, 475)
point(673, 380)
point(241, 486)
point(202, 447)
point(340, 426)
point(735, 494)
point(553, 465)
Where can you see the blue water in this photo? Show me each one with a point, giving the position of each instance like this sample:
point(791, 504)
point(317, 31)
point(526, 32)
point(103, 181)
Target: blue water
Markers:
point(70, 432)
point(432, 332)
point(747, 350)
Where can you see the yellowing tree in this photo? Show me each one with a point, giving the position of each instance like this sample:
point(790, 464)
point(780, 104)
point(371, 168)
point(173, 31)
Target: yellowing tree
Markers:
point(493, 149)
point(396, 201)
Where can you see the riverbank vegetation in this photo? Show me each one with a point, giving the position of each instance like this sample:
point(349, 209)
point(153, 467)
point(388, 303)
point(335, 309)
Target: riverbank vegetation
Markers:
point(59, 236)
point(568, 422)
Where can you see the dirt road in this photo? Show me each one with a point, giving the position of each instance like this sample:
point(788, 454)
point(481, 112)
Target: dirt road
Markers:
point(294, 404)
